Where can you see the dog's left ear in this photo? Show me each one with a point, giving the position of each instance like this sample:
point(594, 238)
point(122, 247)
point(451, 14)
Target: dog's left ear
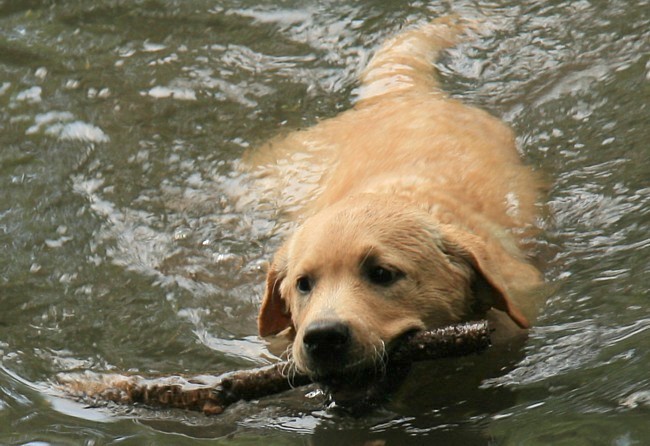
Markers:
point(473, 250)
point(274, 316)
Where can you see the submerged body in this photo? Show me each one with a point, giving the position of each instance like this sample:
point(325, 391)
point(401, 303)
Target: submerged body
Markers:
point(417, 218)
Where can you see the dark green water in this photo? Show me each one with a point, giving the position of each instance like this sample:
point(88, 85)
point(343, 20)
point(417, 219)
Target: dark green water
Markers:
point(124, 246)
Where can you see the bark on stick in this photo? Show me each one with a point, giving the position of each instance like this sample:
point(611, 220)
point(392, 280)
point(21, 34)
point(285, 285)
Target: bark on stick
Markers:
point(212, 394)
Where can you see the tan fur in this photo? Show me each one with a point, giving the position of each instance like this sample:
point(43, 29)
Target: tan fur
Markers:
point(415, 181)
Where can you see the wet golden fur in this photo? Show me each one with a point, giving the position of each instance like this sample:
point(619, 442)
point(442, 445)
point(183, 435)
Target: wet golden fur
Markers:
point(416, 185)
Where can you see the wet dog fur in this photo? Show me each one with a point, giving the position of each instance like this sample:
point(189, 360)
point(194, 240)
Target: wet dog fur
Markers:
point(419, 220)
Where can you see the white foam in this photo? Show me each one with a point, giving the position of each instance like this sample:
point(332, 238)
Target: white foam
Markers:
point(58, 125)
point(32, 95)
point(183, 94)
point(80, 131)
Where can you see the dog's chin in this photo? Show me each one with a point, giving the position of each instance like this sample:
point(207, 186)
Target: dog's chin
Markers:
point(360, 384)
point(338, 374)
point(358, 391)
point(348, 378)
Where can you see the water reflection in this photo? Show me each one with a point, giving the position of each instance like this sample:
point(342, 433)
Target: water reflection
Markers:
point(570, 347)
point(131, 241)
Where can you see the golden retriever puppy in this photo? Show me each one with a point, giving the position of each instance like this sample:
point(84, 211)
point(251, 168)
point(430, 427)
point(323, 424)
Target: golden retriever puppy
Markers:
point(417, 220)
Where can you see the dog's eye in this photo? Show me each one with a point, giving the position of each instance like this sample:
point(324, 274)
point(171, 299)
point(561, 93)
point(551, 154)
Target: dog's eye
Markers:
point(303, 284)
point(382, 276)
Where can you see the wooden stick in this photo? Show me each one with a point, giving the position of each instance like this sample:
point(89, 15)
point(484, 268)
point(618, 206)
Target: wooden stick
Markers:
point(212, 394)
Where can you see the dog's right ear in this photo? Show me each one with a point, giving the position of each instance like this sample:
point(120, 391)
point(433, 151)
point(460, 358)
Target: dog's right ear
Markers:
point(471, 249)
point(274, 314)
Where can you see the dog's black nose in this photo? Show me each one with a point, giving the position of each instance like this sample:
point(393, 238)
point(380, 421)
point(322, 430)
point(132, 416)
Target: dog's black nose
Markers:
point(326, 339)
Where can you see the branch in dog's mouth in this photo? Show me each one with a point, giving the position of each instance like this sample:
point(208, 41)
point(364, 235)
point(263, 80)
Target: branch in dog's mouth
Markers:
point(372, 379)
point(212, 394)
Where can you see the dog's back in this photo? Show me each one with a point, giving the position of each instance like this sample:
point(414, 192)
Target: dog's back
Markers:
point(407, 139)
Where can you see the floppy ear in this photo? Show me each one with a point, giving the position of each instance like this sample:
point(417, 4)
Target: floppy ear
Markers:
point(473, 250)
point(274, 316)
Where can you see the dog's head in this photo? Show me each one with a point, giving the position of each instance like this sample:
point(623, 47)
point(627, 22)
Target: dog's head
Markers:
point(360, 274)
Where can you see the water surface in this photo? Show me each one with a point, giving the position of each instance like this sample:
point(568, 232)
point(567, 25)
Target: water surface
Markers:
point(128, 243)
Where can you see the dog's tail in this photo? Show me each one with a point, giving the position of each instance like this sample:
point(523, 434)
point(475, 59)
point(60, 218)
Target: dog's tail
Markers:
point(405, 62)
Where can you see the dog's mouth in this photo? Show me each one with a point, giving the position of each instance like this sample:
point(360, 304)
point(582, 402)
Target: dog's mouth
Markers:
point(361, 390)
point(352, 369)
point(367, 378)
point(354, 375)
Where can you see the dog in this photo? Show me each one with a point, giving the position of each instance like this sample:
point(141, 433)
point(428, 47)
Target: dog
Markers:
point(419, 218)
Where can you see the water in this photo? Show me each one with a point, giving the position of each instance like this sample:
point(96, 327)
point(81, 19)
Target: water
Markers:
point(129, 243)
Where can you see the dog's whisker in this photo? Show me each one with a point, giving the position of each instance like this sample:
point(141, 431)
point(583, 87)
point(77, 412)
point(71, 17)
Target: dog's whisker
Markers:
point(380, 359)
point(289, 371)
point(368, 252)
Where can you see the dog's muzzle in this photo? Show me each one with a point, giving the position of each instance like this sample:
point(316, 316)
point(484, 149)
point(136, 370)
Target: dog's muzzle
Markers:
point(326, 344)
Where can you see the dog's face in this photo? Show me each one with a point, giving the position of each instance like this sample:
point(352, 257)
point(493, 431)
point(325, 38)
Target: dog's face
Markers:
point(358, 275)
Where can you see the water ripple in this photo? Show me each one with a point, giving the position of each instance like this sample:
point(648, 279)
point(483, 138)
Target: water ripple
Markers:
point(567, 348)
